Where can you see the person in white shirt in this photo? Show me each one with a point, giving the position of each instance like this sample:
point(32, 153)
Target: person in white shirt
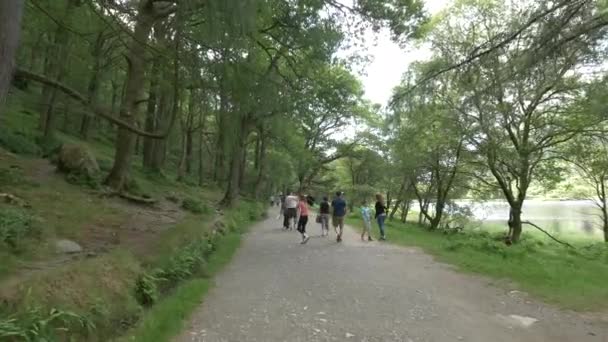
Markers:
point(291, 211)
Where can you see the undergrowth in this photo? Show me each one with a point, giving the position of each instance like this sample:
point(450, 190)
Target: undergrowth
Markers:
point(99, 299)
point(16, 225)
point(38, 325)
point(195, 206)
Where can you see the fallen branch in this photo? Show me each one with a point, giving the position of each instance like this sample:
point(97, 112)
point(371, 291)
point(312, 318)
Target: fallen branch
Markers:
point(12, 199)
point(547, 233)
point(137, 199)
point(20, 73)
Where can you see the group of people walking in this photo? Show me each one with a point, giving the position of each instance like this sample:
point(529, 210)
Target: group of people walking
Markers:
point(295, 210)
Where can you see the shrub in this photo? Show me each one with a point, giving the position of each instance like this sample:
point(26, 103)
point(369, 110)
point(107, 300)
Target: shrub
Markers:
point(15, 226)
point(18, 143)
point(195, 206)
point(49, 146)
point(190, 260)
point(146, 288)
point(84, 180)
point(105, 164)
point(11, 176)
point(39, 325)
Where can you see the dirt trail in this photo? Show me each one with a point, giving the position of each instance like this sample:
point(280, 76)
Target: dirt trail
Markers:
point(278, 290)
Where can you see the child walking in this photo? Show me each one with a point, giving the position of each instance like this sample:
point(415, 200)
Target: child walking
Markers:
point(366, 213)
point(303, 209)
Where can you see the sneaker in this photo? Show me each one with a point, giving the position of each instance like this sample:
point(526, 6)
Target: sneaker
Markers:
point(339, 238)
point(305, 240)
point(383, 238)
point(369, 238)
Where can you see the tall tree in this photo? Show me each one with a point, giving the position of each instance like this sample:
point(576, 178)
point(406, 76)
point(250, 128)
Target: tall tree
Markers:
point(10, 23)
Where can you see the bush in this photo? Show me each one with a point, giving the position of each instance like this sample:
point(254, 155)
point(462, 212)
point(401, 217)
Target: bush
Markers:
point(49, 146)
point(18, 143)
point(105, 164)
point(195, 206)
point(11, 176)
point(146, 288)
point(15, 226)
point(39, 325)
point(84, 180)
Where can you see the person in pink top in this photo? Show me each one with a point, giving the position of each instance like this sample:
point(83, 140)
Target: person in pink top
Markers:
point(303, 209)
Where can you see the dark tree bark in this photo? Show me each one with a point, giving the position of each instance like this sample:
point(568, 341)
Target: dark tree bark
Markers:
point(201, 142)
point(397, 205)
point(10, 30)
point(405, 210)
point(125, 140)
point(151, 122)
point(56, 69)
point(236, 163)
point(223, 126)
point(92, 89)
point(261, 178)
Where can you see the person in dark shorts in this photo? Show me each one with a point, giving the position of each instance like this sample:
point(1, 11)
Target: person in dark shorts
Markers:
point(303, 220)
point(339, 212)
point(325, 215)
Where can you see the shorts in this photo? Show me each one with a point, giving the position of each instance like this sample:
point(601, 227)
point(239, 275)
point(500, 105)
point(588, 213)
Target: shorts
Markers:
point(337, 221)
point(367, 225)
point(291, 213)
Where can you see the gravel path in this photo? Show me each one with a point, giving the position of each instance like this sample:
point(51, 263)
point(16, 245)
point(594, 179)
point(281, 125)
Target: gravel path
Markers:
point(278, 290)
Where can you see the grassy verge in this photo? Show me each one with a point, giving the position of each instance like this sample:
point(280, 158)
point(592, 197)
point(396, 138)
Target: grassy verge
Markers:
point(574, 279)
point(166, 319)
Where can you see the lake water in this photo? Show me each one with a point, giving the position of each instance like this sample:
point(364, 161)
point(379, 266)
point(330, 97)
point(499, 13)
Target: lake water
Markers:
point(556, 216)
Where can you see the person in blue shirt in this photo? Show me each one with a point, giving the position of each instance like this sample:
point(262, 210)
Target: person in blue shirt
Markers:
point(366, 214)
point(338, 206)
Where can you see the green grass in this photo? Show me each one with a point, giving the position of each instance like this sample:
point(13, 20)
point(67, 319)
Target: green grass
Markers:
point(574, 279)
point(166, 319)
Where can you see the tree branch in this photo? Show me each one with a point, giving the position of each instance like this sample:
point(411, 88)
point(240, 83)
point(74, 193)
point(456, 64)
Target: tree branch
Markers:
point(21, 73)
point(547, 233)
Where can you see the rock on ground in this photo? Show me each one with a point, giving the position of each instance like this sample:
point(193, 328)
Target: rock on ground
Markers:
point(67, 247)
point(77, 159)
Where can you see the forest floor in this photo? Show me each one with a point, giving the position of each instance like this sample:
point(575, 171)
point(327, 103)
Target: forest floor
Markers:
point(121, 256)
point(279, 290)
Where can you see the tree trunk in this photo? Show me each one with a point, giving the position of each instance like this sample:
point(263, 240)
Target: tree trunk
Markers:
point(439, 206)
point(256, 156)
point(515, 226)
point(222, 124)
point(181, 168)
point(125, 140)
point(243, 166)
point(151, 116)
point(66, 114)
point(189, 150)
point(34, 51)
point(189, 132)
point(85, 124)
point(605, 224)
point(233, 187)
point(261, 178)
point(10, 29)
point(201, 155)
point(57, 64)
point(405, 210)
point(219, 148)
point(394, 210)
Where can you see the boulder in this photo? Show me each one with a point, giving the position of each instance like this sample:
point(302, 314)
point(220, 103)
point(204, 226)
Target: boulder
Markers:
point(67, 247)
point(77, 159)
